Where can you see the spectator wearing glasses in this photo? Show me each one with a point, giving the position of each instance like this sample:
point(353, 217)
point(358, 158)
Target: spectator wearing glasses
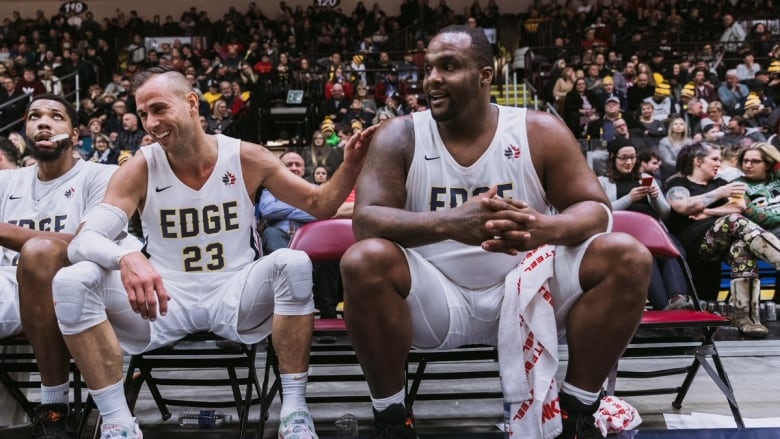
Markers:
point(732, 93)
point(762, 177)
point(707, 217)
point(623, 131)
point(604, 128)
point(715, 116)
point(104, 151)
point(624, 187)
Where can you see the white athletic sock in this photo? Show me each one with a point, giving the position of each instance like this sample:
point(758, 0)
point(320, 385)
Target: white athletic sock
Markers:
point(112, 404)
point(59, 394)
point(380, 404)
point(582, 396)
point(293, 392)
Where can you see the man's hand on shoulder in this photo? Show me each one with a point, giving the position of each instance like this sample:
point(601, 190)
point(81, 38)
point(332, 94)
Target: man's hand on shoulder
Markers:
point(144, 285)
point(357, 146)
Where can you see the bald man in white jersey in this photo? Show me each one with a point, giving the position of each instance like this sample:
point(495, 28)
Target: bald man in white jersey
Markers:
point(449, 202)
point(201, 267)
point(40, 209)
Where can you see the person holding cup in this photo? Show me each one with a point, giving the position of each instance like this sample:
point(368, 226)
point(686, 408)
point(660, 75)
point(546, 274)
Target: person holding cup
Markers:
point(630, 189)
point(708, 218)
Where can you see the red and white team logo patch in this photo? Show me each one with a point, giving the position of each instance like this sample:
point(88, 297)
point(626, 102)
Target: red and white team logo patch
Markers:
point(229, 179)
point(70, 192)
point(512, 152)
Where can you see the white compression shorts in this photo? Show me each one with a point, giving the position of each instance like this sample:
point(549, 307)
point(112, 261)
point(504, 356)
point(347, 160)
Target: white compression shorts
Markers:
point(10, 320)
point(235, 305)
point(446, 316)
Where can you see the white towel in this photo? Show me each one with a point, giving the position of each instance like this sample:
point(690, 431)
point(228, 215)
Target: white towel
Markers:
point(615, 415)
point(528, 348)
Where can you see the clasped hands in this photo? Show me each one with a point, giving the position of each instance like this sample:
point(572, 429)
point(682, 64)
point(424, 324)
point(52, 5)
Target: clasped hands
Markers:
point(500, 225)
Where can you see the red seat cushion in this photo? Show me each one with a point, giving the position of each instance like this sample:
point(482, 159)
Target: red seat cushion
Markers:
point(329, 325)
point(682, 317)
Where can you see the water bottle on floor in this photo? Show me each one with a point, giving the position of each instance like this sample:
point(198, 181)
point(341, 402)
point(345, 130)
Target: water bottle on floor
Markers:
point(347, 425)
point(205, 419)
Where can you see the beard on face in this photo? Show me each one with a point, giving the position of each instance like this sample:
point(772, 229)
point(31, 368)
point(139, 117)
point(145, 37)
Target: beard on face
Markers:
point(445, 115)
point(50, 155)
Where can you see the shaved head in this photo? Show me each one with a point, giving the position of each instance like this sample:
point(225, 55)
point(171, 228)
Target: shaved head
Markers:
point(177, 81)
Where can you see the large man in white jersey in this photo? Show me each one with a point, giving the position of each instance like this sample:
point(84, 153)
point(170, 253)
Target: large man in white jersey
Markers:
point(201, 267)
point(449, 203)
point(40, 209)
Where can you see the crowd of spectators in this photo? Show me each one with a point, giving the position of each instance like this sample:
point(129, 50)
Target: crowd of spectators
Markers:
point(667, 81)
point(354, 68)
point(661, 54)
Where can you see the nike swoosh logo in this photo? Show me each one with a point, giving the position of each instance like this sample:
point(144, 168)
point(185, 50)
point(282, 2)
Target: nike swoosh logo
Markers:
point(160, 189)
point(431, 158)
point(15, 198)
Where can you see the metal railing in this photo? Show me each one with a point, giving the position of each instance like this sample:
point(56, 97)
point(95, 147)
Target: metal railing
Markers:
point(73, 95)
point(524, 94)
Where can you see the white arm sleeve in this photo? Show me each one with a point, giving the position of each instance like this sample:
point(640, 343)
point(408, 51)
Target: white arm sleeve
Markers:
point(95, 242)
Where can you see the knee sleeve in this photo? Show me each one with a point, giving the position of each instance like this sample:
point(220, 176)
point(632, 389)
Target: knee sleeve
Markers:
point(292, 282)
point(76, 301)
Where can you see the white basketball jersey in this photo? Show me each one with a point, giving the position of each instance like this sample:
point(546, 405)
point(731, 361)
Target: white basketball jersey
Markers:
point(199, 232)
point(58, 205)
point(437, 182)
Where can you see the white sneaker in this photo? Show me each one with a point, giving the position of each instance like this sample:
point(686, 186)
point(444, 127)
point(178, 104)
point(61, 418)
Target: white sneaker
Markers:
point(121, 431)
point(297, 425)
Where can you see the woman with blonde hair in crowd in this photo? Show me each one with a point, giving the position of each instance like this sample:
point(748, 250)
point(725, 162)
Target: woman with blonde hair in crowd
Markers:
point(668, 147)
point(563, 85)
point(220, 119)
point(248, 76)
point(19, 141)
point(318, 153)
